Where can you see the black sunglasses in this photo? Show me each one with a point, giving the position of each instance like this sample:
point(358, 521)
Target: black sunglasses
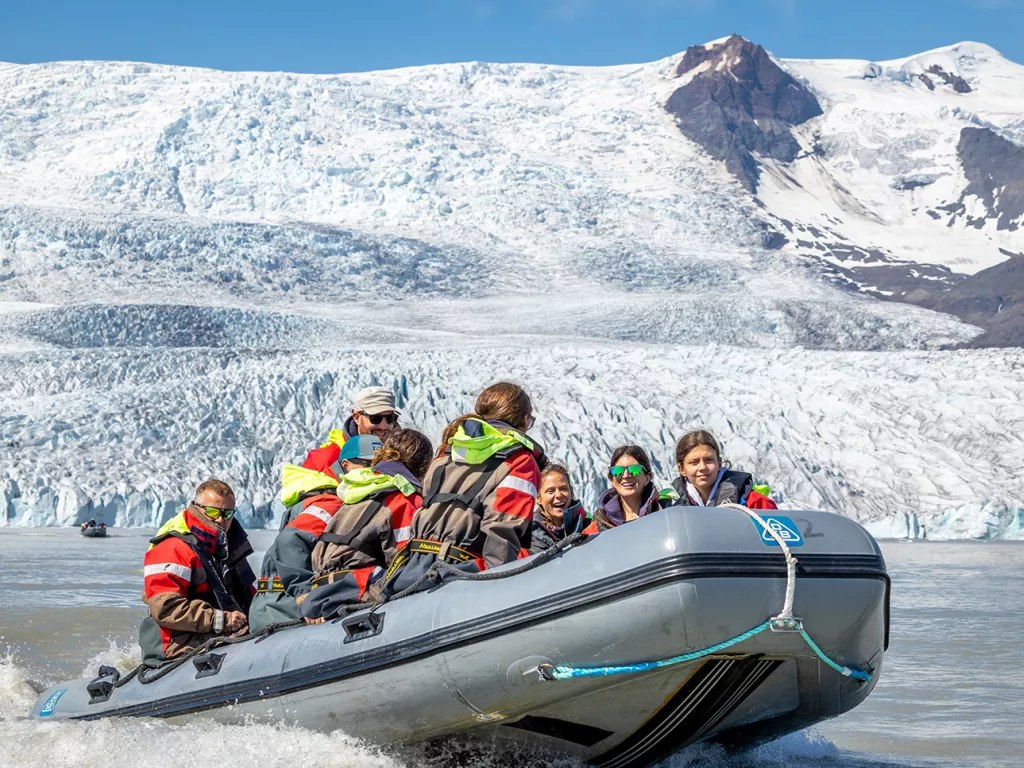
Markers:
point(377, 418)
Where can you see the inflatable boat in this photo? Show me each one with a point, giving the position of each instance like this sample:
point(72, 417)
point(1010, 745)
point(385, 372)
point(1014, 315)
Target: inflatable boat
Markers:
point(94, 532)
point(688, 625)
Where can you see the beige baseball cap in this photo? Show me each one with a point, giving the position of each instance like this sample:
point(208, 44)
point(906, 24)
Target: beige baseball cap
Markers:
point(374, 400)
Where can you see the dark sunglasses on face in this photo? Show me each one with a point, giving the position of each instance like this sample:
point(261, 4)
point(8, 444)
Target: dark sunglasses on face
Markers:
point(377, 418)
point(635, 470)
point(215, 513)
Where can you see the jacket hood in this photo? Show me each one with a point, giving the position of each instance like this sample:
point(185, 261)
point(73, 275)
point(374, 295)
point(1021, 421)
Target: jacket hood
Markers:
point(297, 481)
point(364, 482)
point(339, 437)
point(350, 429)
point(611, 505)
point(477, 440)
point(398, 468)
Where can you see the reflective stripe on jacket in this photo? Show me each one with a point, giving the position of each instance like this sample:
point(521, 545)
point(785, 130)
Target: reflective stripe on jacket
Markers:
point(193, 574)
point(364, 537)
point(287, 571)
point(478, 497)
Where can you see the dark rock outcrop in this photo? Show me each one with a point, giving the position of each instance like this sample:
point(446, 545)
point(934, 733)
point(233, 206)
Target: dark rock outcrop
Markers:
point(959, 84)
point(741, 103)
point(992, 299)
point(994, 168)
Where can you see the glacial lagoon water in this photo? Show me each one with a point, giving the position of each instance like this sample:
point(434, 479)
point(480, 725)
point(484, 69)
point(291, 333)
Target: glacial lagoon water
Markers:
point(951, 692)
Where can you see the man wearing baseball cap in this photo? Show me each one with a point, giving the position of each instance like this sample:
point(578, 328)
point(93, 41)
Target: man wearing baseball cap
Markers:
point(373, 414)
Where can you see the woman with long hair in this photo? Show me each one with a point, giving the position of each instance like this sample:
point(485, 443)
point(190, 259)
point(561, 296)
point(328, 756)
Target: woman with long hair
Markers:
point(366, 533)
point(558, 513)
point(479, 494)
point(632, 494)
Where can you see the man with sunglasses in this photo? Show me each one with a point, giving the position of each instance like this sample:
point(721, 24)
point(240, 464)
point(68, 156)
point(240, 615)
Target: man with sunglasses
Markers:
point(197, 583)
point(373, 414)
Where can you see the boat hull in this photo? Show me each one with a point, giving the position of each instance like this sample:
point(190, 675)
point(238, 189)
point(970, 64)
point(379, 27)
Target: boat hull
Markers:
point(463, 658)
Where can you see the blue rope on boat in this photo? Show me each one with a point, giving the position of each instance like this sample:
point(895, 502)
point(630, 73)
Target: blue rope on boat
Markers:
point(856, 674)
point(567, 673)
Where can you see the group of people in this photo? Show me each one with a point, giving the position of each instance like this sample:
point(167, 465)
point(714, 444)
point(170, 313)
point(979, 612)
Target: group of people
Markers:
point(370, 511)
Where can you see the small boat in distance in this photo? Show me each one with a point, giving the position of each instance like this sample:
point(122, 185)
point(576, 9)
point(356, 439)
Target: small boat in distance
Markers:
point(94, 530)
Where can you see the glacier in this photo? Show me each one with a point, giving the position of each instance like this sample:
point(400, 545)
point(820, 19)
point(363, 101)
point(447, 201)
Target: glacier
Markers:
point(198, 269)
point(935, 438)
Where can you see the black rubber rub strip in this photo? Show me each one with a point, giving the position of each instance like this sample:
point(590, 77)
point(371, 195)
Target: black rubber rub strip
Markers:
point(681, 567)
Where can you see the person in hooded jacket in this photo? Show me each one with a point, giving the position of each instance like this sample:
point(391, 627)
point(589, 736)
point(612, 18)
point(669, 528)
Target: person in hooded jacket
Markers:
point(704, 482)
point(197, 583)
point(356, 452)
point(287, 572)
point(558, 513)
point(479, 495)
point(364, 536)
point(373, 413)
point(632, 494)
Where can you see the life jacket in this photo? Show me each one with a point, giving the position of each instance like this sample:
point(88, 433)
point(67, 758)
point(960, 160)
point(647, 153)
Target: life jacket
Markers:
point(293, 547)
point(732, 487)
point(480, 461)
point(228, 576)
point(480, 445)
point(364, 493)
point(544, 535)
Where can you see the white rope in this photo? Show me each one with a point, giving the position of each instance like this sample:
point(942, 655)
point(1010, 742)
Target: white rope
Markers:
point(787, 606)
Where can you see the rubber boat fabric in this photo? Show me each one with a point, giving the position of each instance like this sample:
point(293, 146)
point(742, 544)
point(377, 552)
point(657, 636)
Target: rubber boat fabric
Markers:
point(470, 657)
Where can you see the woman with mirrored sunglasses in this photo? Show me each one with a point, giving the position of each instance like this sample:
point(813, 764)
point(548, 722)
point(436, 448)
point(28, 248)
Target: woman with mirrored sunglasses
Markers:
point(632, 494)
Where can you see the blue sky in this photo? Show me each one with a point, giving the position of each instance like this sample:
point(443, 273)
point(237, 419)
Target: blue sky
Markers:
point(344, 36)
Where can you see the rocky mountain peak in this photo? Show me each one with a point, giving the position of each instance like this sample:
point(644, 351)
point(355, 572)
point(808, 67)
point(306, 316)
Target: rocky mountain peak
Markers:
point(735, 100)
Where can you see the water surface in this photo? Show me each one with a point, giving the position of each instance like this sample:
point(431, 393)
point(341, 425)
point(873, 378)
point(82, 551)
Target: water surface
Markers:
point(951, 692)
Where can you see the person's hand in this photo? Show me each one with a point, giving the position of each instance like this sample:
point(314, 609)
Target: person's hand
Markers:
point(234, 620)
point(319, 620)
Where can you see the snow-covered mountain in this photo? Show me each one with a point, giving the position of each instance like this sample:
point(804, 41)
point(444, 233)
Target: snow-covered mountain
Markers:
point(198, 268)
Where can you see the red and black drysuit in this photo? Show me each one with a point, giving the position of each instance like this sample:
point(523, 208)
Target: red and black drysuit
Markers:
point(360, 543)
point(475, 516)
point(287, 572)
point(194, 573)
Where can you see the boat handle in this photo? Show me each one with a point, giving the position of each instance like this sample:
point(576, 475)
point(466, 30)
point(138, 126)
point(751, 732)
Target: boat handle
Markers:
point(102, 686)
point(362, 626)
point(208, 664)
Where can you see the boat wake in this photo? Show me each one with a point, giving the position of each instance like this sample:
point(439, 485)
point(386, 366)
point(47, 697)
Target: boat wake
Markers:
point(158, 744)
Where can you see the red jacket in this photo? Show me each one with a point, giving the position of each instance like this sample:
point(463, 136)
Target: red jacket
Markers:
point(756, 500)
point(182, 596)
point(325, 458)
point(316, 513)
point(353, 554)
